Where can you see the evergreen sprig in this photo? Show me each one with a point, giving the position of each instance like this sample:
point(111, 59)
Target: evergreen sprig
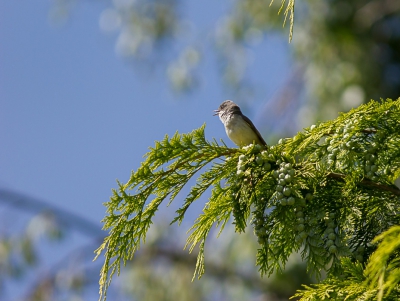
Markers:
point(379, 280)
point(349, 285)
point(167, 168)
point(326, 193)
point(289, 11)
point(383, 269)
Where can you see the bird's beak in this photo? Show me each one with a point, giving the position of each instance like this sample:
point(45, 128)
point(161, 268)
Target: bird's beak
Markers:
point(216, 112)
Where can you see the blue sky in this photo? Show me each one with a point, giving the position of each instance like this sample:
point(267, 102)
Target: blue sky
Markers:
point(74, 117)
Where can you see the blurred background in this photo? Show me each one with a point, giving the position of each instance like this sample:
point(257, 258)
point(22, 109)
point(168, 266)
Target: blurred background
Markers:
point(87, 86)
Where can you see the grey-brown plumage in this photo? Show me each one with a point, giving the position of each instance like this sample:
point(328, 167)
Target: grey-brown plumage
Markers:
point(238, 127)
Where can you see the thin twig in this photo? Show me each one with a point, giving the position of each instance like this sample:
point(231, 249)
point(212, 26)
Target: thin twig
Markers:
point(365, 182)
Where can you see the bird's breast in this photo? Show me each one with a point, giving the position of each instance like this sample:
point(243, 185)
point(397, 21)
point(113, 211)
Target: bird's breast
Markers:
point(239, 131)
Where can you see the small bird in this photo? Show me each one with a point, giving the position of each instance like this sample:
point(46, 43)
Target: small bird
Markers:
point(238, 127)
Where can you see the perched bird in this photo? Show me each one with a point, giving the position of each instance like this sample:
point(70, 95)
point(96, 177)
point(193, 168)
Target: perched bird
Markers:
point(238, 127)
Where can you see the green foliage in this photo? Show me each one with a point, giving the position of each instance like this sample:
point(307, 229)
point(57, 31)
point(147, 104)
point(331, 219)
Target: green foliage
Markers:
point(289, 11)
point(383, 269)
point(130, 216)
point(349, 285)
point(326, 193)
point(378, 281)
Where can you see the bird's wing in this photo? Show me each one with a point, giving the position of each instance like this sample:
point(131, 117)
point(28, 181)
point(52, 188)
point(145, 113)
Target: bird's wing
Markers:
point(250, 123)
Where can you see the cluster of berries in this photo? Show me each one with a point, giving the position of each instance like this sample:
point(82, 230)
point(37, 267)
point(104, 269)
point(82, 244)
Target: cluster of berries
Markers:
point(369, 165)
point(302, 235)
point(330, 233)
point(284, 175)
point(259, 226)
point(260, 159)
